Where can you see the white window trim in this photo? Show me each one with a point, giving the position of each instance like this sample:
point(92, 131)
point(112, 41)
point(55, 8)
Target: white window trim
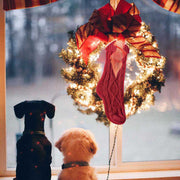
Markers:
point(118, 167)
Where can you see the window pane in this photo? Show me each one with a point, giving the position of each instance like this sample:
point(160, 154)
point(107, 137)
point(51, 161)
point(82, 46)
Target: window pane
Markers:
point(34, 38)
point(155, 134)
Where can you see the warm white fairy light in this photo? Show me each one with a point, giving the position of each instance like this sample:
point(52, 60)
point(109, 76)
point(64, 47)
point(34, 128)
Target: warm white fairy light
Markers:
point(77, 52)
point(136, 92)
point(73, 85)
point(154, 44)
point(92, 107)
point(81, 60)
point(70, 69)
point(91, 85)
point(150, 70)
point(84, 97)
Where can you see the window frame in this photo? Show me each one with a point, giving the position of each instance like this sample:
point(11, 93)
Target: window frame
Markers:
point(117, 166)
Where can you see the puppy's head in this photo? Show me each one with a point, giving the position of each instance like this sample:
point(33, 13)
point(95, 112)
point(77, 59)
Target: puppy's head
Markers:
point(34, 107)
point(34, 112)
point(77, 144)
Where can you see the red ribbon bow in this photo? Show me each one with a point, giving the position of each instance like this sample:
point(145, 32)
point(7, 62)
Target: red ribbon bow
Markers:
point(107, 24)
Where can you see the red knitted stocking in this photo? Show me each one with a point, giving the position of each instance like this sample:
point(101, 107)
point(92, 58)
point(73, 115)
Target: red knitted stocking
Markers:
point(110, 88)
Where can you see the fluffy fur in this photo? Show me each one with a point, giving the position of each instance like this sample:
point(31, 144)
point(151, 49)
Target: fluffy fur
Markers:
point(77, 144)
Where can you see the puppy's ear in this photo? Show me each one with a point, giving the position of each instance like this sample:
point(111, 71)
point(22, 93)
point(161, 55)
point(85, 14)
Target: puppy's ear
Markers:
point(59, 143)
point(93, 147)
point(19, 109)
point(50, 109)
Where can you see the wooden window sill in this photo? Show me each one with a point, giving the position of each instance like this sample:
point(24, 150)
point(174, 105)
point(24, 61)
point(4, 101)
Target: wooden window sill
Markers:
point(154, 175)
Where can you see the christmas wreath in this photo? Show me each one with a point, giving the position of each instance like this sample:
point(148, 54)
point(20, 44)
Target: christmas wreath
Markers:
point(144, 66)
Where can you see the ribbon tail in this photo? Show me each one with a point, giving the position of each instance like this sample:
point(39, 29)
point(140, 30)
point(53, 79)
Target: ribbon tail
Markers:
point(90, 44)
point(170, 5)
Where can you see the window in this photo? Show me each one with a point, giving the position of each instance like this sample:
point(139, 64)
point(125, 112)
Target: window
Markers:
point(35, 75)
point(132, 152)
point(157, 131)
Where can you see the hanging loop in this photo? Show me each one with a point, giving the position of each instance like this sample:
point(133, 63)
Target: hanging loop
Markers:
point(114, 3)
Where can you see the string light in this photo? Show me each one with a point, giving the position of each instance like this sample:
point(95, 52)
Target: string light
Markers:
point(139, 91)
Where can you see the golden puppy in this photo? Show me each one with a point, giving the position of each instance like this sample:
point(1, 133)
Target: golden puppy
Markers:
point(78, 147)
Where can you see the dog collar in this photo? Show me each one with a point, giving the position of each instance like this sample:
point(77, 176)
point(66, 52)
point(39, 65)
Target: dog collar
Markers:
point(33, 132)
point(75, 164)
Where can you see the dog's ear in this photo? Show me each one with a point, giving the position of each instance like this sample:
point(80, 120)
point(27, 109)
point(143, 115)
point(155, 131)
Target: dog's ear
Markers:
point(50, 109)
point(58, 144)
point(93, 147)
point(19, 109)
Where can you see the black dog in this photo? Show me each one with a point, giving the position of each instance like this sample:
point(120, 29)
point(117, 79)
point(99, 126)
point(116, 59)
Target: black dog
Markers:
point(33, 148)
